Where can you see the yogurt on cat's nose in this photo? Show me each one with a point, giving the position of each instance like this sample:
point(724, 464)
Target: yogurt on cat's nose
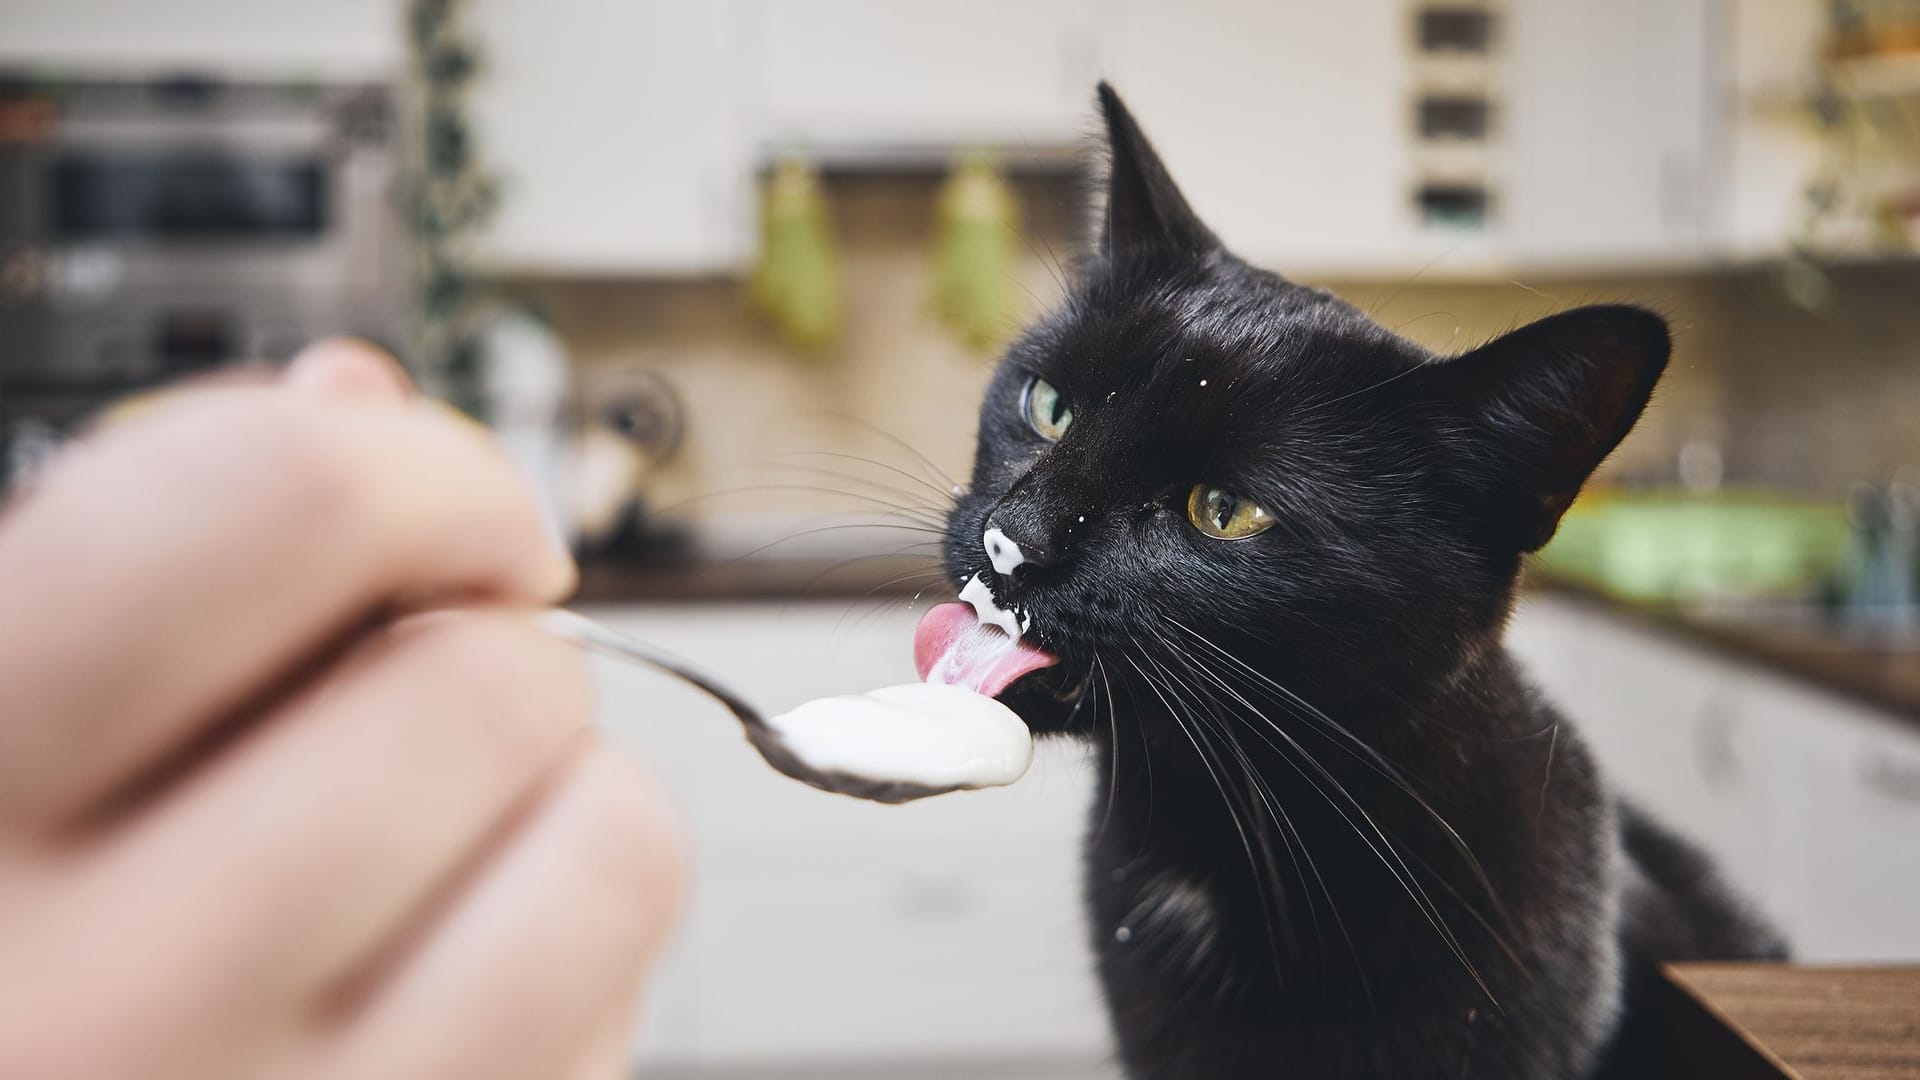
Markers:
point(1002, 551)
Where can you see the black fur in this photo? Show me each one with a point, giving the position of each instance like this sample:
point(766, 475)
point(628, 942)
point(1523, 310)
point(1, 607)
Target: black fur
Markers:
point(1338, 834)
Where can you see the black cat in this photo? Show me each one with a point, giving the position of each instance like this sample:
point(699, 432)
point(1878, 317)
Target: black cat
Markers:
point(1274, 547)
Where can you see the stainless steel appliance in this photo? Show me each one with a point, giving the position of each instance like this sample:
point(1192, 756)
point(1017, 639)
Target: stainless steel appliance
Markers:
point(151, 229)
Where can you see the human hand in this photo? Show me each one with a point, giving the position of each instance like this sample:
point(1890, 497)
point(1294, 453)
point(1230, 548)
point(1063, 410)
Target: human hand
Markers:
point(287, 786)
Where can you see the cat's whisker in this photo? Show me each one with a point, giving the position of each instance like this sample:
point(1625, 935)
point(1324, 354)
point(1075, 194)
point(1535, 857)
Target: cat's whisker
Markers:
point(1054, 269)
point(1290, 835)
point(1320, 406)
point(927, 515)
point(1306, 709)
point(1289, 831)
point(1031, 295)
point(1113, 751)
point(1262, 872)
point(1380, 305)
point(1386, 851)
point(1367, 753)
point(861, 525)
point(905, 551)
point(879, 603)
point(1146, 757)
point(926, 518)
point(944, 493)
point(1546, 779)
point(905, 503)
point(868, 425)
point(931, 575)
point(1260, 788)
point(1493, 932)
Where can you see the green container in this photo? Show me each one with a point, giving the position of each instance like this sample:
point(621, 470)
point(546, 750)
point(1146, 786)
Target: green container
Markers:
point(1675, 546)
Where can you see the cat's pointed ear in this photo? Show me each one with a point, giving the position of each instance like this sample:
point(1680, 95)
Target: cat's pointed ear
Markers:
point(1545, 404)
point(1145, 212)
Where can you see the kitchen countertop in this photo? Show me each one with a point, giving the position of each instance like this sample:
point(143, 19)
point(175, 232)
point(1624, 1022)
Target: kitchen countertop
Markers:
point(1887, 678)
point(862, 576)
point(1781, 1022)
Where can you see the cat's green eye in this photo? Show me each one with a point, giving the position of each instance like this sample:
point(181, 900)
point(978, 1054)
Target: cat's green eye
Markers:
point(1047, 411)
point(1224, 515)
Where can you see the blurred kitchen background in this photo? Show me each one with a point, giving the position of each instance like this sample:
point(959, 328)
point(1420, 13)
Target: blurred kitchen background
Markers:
point(728, 276)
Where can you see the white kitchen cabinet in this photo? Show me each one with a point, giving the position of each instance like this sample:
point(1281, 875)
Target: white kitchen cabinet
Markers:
point(1614, 123)
point(1850, 809)
point(1772, 55)
point(612, 130)
point(881, 79)
point(828, 932)
point(1810, 803)
point(1286, 124)
point(331, 39)
point(1667, 725)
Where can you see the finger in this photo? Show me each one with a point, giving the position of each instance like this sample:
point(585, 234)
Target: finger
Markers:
point(122, 411)
point(518, 977)
point(348, 369)
point(170, 573)
point(307, 847)
point(609, 1054)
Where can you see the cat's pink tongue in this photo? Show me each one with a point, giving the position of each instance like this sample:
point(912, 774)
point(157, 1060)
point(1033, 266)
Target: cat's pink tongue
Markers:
point(951, 646)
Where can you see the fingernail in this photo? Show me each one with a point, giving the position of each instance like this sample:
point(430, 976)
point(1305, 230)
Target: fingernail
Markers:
point(127, 408)
point(447, 411)
point(566, 575)
point(348, 369)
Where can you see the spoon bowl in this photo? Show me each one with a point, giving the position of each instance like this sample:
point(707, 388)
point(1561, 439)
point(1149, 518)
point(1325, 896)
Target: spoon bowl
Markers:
point(766, 738)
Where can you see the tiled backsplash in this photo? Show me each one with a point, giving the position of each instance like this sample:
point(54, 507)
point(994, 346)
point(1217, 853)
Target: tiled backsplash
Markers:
point(1816, 401)
point(1806, 401)
point(1690, 403)
point(762, 414)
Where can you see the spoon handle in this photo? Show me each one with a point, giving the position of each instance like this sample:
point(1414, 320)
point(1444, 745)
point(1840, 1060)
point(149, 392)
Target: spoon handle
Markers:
point(594, 637)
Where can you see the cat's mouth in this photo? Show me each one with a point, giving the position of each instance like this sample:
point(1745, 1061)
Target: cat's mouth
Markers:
point(976, 644)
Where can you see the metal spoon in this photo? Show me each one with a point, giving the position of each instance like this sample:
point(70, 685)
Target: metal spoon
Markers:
point(596, 638)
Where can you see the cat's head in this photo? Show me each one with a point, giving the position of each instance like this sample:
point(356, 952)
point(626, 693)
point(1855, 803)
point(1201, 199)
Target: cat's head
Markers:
point(1191, 448)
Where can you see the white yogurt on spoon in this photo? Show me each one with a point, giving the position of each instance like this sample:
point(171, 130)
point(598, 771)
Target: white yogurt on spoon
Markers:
point(907, 742)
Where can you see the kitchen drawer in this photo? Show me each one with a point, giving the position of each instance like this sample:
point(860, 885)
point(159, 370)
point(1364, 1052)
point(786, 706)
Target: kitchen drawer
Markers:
point(1849, 819)
point(774, 655)
point(1016, 73)
point(964, 967)
point(824, 929)
point(1809, 803)
point(738, 840)
point(1668, 723)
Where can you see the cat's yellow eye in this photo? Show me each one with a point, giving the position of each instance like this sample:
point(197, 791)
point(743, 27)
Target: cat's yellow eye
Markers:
point(1224, 515)
point(1047, 411)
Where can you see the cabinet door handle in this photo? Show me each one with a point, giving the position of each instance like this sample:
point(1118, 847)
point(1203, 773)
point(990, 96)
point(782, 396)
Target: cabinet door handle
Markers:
point(1716, 748)
point(1890, 776)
